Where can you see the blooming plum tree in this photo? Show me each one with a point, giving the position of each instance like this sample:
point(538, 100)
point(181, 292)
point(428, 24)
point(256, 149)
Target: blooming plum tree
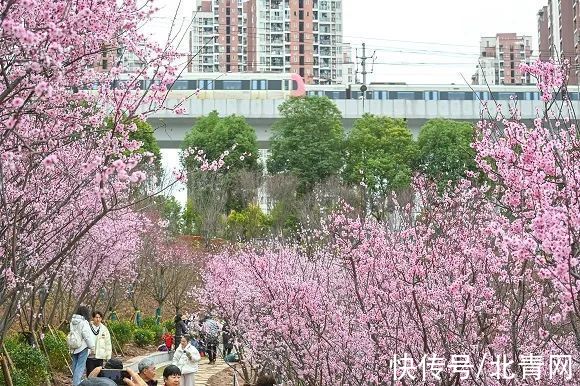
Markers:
point(479, 286)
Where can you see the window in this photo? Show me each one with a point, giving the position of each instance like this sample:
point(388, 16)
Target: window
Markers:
point(456, 96)
point(274, 85)
point(179, 85)
point(380, 95)
point(206, 85)
point(406, 95)
point(431, 95)
point(232, 84)
point(504, 96)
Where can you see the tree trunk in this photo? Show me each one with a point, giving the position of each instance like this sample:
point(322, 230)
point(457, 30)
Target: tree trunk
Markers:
point(5, 368)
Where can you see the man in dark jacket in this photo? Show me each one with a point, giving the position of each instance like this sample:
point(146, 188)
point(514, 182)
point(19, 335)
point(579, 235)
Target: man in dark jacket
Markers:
point(180, 329)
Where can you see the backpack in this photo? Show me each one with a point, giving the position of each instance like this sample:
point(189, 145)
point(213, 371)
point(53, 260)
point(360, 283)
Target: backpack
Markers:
point(74, 338)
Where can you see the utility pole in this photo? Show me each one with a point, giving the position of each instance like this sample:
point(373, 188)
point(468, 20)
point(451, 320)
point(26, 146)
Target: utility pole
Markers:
point(364, 72)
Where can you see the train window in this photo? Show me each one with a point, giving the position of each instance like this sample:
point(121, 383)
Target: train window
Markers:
point(274, 85)
point(333, 94)
point(380, 95)
point(406, 95)
point(484, 95)
point(573, 96)
point(206, 84)
point(179, 85)
point(258, 85)
point(504, 96)
point(431, 95)
point(456, 96)
point(232, 85)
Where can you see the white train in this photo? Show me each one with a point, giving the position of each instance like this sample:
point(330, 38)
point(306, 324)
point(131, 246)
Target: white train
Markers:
point(280, 86)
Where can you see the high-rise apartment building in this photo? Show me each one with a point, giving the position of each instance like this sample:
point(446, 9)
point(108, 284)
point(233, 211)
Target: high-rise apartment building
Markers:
point(559, 30)
point(500, 58)
point(300, 36)
point(544, 51)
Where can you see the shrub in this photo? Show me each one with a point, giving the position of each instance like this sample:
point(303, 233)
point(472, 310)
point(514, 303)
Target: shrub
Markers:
point(31, 367)
point(144, 337)
point(169, 326)
point(149, 324)
point(248, 224)
point(57, 350)
point(121, 332)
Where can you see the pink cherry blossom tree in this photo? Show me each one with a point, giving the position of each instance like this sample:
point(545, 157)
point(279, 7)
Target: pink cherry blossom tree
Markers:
point(470, 287)
point(67, 164)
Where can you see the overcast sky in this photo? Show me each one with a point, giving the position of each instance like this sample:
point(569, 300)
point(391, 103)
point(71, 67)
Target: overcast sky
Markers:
point(416, 41)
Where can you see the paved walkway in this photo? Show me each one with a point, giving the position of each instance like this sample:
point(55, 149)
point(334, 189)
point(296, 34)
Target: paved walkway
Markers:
point(205, 372)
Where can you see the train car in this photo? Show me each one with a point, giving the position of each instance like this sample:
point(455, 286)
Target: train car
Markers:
point(238, 85)
point(454, 92)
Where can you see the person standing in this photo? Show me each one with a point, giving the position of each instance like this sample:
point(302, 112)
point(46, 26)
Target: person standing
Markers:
point(81, 342)
point(211, 330)
point(103, 346)
point(227, 340)
point(186, 357)
point(180, 329)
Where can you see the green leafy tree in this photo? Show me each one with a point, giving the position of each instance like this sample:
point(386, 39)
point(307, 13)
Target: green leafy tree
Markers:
point(379, 156)
point(307, 140)
point(191, 220)
point(445, 151)
point(170, 210)
point(230, 135)
point(217, 135)
point(248, 224)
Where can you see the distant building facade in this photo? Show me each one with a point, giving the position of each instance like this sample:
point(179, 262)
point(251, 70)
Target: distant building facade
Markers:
point(500, 58)
point(300, 36)
point(559, 34)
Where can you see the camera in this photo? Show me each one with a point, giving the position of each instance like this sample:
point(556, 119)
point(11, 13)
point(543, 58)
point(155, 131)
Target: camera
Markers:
point(115, 375)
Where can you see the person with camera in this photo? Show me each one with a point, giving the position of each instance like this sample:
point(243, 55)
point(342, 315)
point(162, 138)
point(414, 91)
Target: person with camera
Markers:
point(104, 377)
point(186, 357)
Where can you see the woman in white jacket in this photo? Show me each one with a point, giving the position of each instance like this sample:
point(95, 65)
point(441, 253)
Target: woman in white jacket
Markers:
point(186, 357)
point(103, 346)
point(80, 325)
